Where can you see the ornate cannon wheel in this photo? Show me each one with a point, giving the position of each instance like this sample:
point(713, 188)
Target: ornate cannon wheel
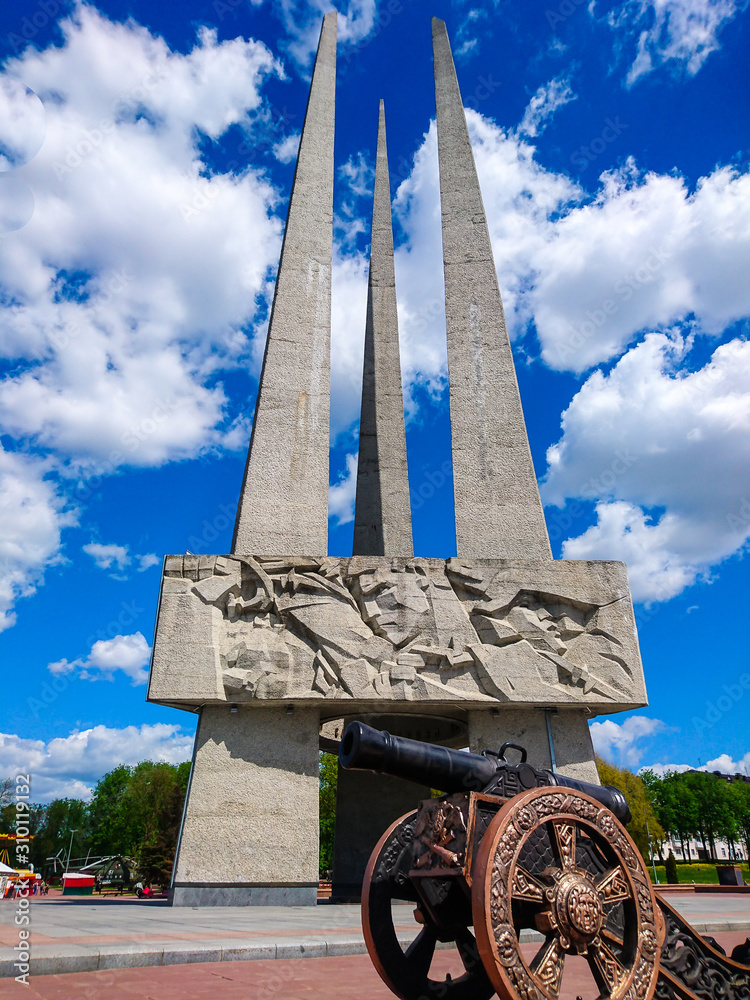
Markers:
point(406, 971)
point(558, 862)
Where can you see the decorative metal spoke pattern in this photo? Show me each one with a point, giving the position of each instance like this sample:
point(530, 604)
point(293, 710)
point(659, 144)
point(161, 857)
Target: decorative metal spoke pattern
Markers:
point(547, 966)
point(592, 899)
point(407, 971)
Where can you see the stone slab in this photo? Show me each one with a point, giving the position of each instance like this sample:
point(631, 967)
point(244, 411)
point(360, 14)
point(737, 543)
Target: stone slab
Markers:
point(130, 956)
point(250, 831)
point(379, 633)
point(243, 895)
point(301, 948)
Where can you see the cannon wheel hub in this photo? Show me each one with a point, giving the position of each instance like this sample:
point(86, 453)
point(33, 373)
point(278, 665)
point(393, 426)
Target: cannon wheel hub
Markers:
point(576, 910)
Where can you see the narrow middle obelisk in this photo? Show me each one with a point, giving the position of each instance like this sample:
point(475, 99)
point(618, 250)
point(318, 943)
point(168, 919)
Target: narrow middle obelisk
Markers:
point(368, 803)
point(498, 509)
point(284, 500)
point(382, 514)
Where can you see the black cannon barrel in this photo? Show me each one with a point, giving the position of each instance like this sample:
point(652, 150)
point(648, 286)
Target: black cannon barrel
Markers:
point(366, 749)
point(609, 795)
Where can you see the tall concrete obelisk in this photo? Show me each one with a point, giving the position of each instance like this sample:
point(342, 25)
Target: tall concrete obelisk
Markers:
point(254, 781)
point(382, 515)
point(368, 803)
point(498, 509)
point(284, 501)
point(276, 638)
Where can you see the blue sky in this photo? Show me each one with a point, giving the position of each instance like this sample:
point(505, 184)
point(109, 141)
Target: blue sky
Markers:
point(146, 157)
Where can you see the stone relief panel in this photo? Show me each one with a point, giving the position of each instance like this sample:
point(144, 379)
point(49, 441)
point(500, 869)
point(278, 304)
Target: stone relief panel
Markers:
point(382, 629)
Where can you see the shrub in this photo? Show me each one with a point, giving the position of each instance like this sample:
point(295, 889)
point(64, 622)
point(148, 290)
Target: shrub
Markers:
point(671, 869)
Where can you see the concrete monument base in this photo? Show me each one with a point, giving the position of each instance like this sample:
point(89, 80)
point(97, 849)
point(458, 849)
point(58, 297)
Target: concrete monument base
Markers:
point(250, 836)
point(244, 895)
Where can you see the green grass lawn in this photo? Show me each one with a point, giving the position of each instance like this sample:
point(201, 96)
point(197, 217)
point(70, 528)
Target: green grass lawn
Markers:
point(702, 874)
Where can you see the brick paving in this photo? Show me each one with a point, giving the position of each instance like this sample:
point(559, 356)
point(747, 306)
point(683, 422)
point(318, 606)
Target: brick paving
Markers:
point(349, 978)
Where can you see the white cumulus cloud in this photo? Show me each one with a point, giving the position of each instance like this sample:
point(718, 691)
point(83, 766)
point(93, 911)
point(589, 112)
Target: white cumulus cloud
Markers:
point(623, 743)
point(727, 765)
point(589, 273)
point(32, 515)
point(665, 450)
point(724, 763)
point(128, 653)
point(545, 102)
point(302, 19)
point(341, 495)
point(119, 557)
point(140, 273)
point(106, 555)
point(680, 33)
point(69, 766)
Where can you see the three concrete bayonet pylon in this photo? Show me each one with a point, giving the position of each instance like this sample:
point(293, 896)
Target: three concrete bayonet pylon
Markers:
point(382, 514)
point(250, 830)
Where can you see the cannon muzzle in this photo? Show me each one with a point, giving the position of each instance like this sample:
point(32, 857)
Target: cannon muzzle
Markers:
point(366, 749)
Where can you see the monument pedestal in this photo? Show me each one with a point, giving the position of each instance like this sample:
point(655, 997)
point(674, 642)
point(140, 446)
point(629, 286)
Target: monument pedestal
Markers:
point(250, 835)
point(571, 739)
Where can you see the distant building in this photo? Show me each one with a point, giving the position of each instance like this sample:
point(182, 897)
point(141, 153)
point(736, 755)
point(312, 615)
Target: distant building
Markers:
point(694, 848)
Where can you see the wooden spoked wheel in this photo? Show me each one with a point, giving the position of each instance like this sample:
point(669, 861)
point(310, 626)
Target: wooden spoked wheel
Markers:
point(406, 970)
point(558, 862)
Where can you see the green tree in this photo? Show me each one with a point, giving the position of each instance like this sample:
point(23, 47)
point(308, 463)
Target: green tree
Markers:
point(328, 768)
point(136, 811)
point(7, 805)
point(675, 806)
point(157, 793)
point(639, 799)
point(57, 826)
point(115, 824)
point(740, 804)
point(715, 818)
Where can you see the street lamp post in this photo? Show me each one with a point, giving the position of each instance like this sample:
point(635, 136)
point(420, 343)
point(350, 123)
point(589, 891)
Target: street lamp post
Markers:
point(650, 847)
point(70, 849)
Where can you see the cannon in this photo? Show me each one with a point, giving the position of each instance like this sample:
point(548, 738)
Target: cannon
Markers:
point(519, 869)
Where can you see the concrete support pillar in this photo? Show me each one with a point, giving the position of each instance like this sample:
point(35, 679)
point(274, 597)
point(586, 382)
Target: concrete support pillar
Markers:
point(250, 831)
point(382, 514)
point(366, 805)
point(571, 739)
point(284, 501)
point(498, 510)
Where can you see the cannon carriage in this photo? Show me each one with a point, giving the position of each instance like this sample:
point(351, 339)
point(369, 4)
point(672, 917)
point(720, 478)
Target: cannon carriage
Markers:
point(509, 855)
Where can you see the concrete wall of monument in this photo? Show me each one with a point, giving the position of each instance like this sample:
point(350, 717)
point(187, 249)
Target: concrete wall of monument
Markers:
point(374, 631)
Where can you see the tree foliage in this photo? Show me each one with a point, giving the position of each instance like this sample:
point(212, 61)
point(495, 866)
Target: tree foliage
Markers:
point(134, 811)
point(697, 804)
point(328, 783)
point(640, 799)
